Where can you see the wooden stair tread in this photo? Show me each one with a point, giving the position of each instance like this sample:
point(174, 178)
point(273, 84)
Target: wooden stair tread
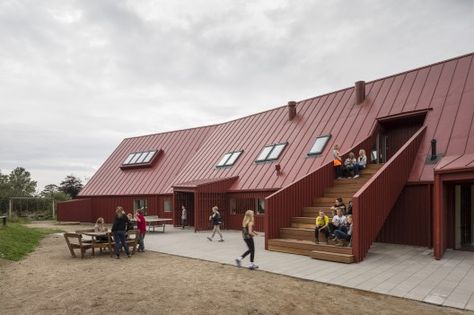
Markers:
point(330, 256)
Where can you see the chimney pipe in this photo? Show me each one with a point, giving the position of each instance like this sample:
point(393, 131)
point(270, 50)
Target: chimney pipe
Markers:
point(433, 150)
point(291, 110)
point(360, 92)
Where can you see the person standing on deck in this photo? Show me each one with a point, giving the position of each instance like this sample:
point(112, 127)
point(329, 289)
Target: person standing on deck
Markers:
point(184, 216)
point(216, 219)
point(248, 233)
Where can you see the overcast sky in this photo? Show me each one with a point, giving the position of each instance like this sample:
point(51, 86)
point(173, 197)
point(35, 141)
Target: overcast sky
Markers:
point(76, 77)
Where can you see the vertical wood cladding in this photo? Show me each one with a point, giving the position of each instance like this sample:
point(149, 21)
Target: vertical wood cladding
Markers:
point(409, 222)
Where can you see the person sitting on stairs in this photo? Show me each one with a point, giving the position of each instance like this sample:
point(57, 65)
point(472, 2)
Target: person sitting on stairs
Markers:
point(351, 167)
point(338, 222)
point(342, 236)
point(339, 204)
point(322, 222)
point(361, 160)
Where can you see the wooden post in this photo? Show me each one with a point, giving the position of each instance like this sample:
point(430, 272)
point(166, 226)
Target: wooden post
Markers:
point(10, 207)
point(54, 208)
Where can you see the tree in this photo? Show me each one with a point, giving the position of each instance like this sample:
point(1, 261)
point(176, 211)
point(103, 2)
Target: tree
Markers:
point(52, 191)
point(5, 189)
point(71, 185)
point(49, 190)
point(20, 183)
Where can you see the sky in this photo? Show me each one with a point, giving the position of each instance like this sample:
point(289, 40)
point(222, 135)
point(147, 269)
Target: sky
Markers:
point(77, 77)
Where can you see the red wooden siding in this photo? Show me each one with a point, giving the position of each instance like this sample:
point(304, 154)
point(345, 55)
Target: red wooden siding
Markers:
point(409, 222)
point(75, 210)
point(374, 201)
point(450, 169)
point(105, 207)
point(289, 201)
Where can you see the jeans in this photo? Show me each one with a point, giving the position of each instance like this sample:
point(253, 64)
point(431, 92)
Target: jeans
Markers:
point(216, 229)
point(141, 243)
point(316, 233)
point(251, 250)
point(184, 222)
point(342, 235)
point(120, 241)
point(339, 171)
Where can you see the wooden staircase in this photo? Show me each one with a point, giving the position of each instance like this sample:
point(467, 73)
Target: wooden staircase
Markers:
point(299, 237)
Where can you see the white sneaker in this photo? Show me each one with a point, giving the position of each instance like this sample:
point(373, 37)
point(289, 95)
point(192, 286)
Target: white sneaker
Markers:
point(356, 176)
point(238, 262)
point(253, 266)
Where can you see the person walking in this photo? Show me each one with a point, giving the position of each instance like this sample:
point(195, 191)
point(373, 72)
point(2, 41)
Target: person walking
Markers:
point(216, 219)
point(248, 233)
point(184, 216)
point(118, 228)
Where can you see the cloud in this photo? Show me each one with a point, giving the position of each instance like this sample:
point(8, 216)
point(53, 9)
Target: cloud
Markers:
point(76, 77)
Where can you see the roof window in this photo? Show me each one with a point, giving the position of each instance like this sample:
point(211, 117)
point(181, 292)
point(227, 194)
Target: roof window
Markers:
point(229, 159)
point(139, 159)
point(319, 145)
point(271, 152)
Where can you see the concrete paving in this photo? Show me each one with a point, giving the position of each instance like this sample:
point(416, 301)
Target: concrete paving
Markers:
point(403, 271)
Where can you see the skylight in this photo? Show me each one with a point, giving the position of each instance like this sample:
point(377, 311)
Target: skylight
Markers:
point(142, 158)
point(319, 145)
point(229, 159)
point(271, 152)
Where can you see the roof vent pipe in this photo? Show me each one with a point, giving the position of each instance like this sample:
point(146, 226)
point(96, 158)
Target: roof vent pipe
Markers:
point(433, 150)
point(291, 110)
point(360, 92)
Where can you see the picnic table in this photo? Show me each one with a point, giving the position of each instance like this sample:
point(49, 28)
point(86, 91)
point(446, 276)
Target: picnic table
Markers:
point(98, 240)
point(4, 219)
point(153, 221)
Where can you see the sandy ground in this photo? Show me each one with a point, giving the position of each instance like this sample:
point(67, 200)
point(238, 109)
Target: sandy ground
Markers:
point(50, 281)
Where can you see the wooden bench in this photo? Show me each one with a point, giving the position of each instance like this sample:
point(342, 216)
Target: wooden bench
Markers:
point(4, 219)
point(74, 241)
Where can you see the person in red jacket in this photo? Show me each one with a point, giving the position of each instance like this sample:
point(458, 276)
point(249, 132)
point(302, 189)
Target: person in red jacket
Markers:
point(141, 226)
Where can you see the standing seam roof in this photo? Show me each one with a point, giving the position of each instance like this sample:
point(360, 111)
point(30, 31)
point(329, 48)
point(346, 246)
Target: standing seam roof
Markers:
point(445, 89)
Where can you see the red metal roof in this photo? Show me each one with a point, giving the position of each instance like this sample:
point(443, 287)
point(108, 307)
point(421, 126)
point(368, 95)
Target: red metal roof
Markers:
point(445, 88)
point(455, 163)
point(177, 148)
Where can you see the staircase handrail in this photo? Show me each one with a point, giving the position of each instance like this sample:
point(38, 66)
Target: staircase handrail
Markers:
point(372, 203)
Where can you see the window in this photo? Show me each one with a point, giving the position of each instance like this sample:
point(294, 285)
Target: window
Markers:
point(167, 207)
point(140, 159)
point(271, 152)
point(319, 145)
point(260, 206)
point(233, 206)
point(140, 204)
point(229, 158)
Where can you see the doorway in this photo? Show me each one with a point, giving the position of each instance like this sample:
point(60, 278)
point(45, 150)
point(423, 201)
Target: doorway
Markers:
point(464, 216)
point(185, 199)
point(394, 132)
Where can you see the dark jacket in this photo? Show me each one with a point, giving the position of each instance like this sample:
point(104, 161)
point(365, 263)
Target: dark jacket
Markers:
point(216, 219)
point(120, 223)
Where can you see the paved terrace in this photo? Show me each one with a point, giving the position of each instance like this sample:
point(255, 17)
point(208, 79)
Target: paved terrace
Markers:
point(402, 271)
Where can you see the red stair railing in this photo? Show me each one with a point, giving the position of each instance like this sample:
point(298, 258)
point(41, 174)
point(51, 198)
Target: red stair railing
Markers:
point(290, 200)
point(372, 204)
